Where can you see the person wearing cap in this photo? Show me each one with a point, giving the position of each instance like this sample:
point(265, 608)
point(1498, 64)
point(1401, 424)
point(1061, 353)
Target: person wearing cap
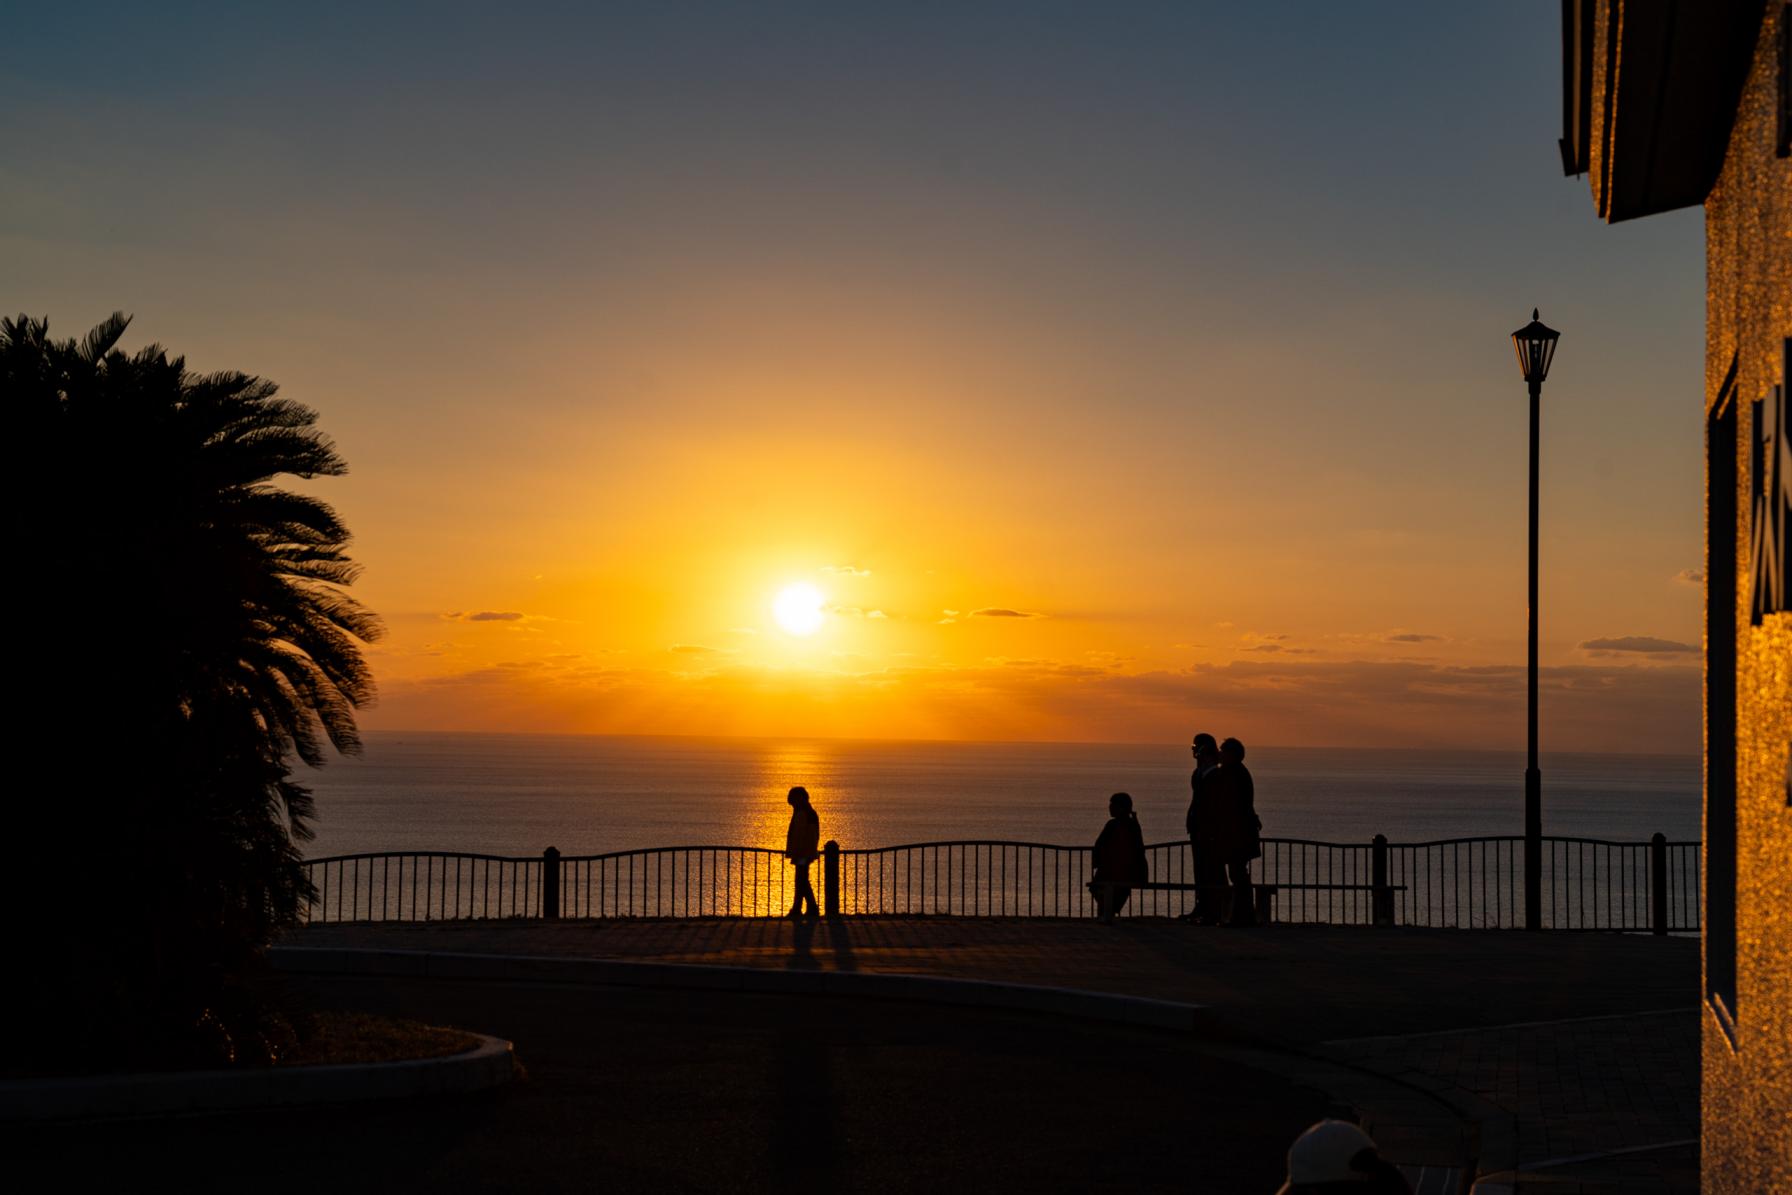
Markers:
point(1335, 1157)
point(1204, 831)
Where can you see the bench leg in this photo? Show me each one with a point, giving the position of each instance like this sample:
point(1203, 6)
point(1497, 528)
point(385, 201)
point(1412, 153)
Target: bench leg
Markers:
point(1382, 900)
point(1266, 904)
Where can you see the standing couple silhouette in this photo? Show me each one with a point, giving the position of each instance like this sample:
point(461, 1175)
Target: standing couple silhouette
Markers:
point(1223, 829)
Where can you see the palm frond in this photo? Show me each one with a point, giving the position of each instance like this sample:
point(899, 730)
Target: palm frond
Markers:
point(104, 335)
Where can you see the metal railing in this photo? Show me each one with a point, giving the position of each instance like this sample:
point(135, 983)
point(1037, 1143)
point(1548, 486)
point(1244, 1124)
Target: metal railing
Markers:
point(970, 878)
point(1458, 883)
point(424, 886)
point(677, 881)
point(1588, 884)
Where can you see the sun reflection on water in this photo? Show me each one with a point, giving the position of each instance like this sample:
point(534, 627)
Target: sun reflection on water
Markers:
point(763, 814)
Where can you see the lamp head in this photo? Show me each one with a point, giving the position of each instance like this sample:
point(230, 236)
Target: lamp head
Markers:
point(1536, 346)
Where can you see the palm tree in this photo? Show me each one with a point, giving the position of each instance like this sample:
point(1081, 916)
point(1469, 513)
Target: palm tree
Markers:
point(185, 632)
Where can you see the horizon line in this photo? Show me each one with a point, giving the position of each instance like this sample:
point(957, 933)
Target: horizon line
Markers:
point(821, 738)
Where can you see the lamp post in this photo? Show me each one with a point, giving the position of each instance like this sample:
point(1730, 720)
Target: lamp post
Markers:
point(1536, 346)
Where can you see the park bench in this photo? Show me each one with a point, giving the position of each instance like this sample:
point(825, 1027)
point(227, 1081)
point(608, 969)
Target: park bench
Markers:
point(1381, 900)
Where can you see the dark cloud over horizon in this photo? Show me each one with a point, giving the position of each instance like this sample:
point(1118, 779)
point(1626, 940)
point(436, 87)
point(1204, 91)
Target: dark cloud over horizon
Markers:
point(1271, 699)
point(1638, 645)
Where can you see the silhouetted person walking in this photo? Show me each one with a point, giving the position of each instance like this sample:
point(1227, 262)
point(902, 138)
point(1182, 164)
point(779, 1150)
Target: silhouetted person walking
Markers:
point(1119, 856)
point(1238, 802)
point(1205, 831)
point(802, 842)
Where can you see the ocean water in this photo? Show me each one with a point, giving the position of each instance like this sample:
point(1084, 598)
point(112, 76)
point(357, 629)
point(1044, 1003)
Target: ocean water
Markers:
point(517, 794)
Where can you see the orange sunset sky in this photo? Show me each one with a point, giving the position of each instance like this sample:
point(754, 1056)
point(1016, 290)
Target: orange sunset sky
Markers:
point(1108, 395)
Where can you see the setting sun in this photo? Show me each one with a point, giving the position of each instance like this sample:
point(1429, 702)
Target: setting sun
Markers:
point(798, 609)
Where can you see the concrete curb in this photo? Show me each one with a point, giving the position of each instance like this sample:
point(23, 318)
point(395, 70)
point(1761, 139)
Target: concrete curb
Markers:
point(932, 989)
point(491, 1063)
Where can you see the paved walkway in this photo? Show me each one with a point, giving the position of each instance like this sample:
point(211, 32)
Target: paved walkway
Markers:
point(1597, 1104)
point(1454, 1043)
point(666, 1091)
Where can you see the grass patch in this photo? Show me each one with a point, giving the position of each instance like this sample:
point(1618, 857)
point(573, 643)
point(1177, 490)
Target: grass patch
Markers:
point(269, 1038)
point(338, 1037)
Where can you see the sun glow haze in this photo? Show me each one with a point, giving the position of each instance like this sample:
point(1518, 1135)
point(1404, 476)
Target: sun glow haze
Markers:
point(798, 609)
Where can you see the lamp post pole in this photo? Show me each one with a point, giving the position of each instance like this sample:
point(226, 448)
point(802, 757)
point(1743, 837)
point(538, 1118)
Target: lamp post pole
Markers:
point(1533, 778)
point(1536, 346)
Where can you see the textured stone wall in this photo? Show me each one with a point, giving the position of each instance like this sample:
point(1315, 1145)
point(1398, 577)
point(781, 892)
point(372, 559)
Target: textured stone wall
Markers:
point(1747, 1118)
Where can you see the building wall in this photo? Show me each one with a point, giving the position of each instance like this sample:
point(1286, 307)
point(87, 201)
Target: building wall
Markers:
point(1747, 1122)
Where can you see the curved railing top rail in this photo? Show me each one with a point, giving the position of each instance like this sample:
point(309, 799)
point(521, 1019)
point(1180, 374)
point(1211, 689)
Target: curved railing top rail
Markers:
point(422, 854)
point(921, 846)
point(1504, 838)
point(1150, 846)
point(673, 850)
point(971, 842)
point(1173, 842)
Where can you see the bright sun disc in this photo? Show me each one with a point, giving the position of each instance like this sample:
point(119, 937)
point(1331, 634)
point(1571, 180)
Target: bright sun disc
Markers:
point(799, 609)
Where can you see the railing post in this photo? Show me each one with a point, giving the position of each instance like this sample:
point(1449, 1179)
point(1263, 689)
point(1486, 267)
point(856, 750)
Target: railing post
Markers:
point(1658, 883)
point(1381, 897)
point(830, 879)
point(550, 884)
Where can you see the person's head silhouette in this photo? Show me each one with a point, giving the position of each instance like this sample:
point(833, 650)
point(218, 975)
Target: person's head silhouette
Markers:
point(799, 796)
point(1232, 751)
point(1335, 1157)
point(1120, 805)
point(1207, 752)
